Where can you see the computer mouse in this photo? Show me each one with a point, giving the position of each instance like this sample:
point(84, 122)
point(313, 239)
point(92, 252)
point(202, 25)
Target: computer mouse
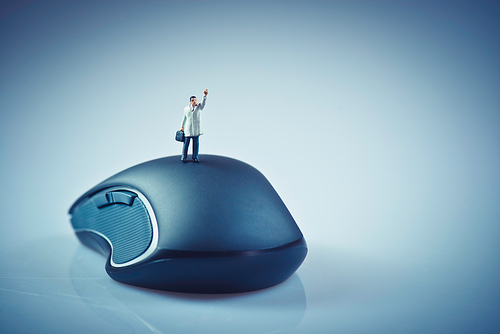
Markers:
point(217, 226)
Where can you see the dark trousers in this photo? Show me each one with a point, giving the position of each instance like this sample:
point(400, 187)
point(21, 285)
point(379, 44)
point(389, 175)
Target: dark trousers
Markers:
point(196, 144)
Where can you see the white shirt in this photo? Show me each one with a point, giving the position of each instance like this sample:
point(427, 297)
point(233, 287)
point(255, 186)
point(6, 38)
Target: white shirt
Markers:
point(191, 122)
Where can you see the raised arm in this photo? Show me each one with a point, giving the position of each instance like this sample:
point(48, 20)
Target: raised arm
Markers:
point(204, 99)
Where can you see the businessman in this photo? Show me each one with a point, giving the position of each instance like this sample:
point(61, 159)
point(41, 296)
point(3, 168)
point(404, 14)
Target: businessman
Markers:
point(192, 126)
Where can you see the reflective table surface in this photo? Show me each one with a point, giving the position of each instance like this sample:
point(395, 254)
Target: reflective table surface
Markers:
point(60, 286)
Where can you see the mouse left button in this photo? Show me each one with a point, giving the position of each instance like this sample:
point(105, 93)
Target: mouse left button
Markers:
point(113, 197)
point(121, 197)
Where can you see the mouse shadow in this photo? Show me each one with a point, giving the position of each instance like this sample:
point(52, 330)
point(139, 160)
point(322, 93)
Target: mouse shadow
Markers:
point(281, 307)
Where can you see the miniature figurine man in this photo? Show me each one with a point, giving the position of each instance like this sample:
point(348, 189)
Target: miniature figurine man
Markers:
point(192, 127)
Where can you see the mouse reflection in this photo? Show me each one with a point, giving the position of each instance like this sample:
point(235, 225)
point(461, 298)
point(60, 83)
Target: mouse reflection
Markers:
point(131, 309)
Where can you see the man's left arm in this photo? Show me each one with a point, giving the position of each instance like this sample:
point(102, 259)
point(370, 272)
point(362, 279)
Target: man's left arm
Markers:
point(204, 99)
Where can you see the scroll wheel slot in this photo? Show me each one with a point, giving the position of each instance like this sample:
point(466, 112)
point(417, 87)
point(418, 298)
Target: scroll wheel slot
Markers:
point(114, 197)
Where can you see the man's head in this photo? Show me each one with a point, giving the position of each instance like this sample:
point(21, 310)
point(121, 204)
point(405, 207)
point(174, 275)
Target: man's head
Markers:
point(192, 100)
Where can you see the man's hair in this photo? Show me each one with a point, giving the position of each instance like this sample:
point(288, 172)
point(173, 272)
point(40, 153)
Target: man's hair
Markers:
point(191, 98)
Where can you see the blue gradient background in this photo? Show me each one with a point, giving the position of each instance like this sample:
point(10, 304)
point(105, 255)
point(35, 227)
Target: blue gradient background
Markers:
point(378, 123)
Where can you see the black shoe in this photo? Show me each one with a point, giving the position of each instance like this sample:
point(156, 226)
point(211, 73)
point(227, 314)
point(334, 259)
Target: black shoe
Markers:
point(183, 160)
point(196, 160)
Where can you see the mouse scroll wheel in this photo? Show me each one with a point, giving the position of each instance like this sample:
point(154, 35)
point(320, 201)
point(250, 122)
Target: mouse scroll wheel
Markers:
point(114, 197)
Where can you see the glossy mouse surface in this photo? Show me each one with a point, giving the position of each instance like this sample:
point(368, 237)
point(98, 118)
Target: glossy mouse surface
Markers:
point(217, 226)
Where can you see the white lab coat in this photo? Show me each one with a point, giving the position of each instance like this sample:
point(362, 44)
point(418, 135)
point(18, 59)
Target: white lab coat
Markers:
point(192, 119)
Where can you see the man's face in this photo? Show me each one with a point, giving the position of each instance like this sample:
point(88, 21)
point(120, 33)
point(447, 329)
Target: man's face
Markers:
point(193, 102)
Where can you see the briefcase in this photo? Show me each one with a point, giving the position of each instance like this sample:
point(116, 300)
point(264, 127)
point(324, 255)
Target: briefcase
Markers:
point(179, 136)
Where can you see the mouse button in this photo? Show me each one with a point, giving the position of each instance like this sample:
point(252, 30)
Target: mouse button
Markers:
point(100, 200)
point(121, 197)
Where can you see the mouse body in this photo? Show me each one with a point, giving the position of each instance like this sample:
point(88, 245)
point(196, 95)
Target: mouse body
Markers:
point(212, 227)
